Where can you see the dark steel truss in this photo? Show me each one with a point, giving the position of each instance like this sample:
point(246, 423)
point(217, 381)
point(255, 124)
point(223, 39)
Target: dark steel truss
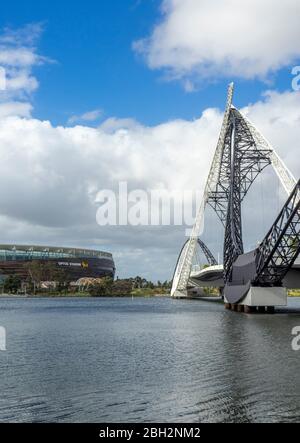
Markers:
point(252, 160)
point(243, 162)
point(281, 246)
point(209, 256)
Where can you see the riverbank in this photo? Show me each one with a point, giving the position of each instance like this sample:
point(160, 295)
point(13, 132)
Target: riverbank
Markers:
point(134, 294)
point(294, 293)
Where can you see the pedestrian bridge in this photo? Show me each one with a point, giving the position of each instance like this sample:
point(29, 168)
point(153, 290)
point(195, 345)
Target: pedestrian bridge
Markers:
point(262, 276)
point(213, 277)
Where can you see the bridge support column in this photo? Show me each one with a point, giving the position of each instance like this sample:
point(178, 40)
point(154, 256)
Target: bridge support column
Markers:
point(249, 309)
point(261, 309)
point(270, 309)
point(263, 297)
point(180, 294)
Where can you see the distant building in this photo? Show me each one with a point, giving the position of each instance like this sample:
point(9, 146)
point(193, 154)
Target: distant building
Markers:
point(76, 263)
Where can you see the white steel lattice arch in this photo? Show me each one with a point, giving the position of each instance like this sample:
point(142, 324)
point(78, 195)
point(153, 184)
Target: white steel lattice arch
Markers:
point(184, 263)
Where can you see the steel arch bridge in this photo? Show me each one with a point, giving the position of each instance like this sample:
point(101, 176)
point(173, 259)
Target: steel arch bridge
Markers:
point(242, 153)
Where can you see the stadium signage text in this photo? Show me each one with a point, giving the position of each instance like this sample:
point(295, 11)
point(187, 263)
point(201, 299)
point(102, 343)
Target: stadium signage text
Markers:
point(63, 263)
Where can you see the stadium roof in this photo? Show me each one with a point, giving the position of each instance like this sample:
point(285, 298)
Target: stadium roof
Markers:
point(69, 252)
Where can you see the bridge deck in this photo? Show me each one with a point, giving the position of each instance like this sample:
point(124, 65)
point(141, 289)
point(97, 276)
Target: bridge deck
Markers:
point(213, 277)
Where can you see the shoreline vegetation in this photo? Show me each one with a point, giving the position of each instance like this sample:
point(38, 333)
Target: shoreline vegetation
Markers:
point(294, 293)
point(81, 295)
point(45, 280)
point(85, 287)
point(141, 294)
point(54, 294)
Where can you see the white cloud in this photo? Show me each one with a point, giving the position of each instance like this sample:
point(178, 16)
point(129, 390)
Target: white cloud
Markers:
point(209, 38)
point(278, 117)
point(18, 56)
point(50, 175)
point(25, 36)
point(15, 108)
point(54, 173)
point(112, 124)
point(89, 116)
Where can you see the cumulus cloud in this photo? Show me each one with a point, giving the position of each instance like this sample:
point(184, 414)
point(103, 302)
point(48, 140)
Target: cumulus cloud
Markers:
point(113, 123)
point(53, 175)
point(50, 176)
point(18, 56)
point(89, 116)
point(209, 38)
point(14, 108)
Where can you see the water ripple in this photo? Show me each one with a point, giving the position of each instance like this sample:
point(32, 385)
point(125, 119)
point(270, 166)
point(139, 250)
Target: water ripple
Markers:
point(160, 360)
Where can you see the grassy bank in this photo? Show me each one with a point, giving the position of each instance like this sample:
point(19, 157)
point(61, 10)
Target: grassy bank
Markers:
point(148, 292)
point(294, 293)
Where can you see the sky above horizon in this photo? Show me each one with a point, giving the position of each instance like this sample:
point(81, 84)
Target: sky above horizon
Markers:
point(99, 92)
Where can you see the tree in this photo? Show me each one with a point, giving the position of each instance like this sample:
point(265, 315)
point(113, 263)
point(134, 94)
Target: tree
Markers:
point(103, 288)
point(138, 281)
point(165, 284)
point(45, 271)
point(121, 288)
point(12, 284)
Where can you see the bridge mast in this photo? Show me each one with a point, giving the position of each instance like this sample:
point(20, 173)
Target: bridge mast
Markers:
point(241, 155)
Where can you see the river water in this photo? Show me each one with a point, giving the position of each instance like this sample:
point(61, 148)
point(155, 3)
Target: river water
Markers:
point(156, 359)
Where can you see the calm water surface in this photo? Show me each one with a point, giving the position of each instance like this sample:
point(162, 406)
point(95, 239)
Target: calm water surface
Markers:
point(110, 360)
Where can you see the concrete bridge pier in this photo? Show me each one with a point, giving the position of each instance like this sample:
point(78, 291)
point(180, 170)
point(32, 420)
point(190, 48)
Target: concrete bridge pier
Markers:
point(259, 299)
point(270, 309)
point(250, 309)
point(261, 309)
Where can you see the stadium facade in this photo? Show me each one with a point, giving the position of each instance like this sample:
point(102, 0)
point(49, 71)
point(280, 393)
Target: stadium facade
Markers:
point(76, 263)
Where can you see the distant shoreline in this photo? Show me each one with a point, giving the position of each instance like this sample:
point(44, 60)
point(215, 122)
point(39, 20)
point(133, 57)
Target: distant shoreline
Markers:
point(80, 296)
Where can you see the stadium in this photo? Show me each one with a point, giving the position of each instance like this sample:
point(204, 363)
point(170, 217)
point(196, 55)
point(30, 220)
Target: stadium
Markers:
point(75, 263)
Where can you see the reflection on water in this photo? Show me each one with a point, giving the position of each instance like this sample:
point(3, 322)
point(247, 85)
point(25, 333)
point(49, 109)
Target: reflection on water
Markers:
point(110, 360)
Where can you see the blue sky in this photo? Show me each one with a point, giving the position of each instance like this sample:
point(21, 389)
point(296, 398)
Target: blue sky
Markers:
point(96, 68)
point(105, 91)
